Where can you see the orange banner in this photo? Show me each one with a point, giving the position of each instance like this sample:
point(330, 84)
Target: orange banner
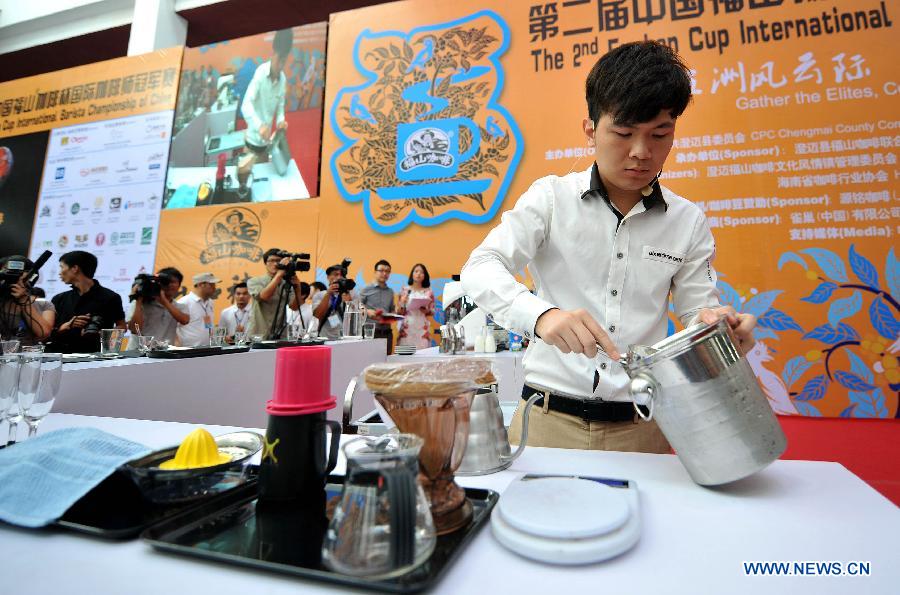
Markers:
point(229, 241)
point(439, 116)
point(101, 91)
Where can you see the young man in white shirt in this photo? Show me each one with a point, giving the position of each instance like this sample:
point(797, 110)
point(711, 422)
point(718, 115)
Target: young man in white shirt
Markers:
point(196, 332)
point(605, 247)
point(264, 102)
point(236, 317)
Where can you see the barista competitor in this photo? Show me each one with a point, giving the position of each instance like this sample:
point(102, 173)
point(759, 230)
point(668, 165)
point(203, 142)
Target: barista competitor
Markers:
point(606, 247)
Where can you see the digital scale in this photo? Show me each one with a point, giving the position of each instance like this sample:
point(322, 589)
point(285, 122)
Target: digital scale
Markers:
point(568, 520)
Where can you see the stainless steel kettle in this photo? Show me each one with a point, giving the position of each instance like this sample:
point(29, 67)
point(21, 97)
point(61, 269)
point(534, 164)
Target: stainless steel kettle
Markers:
point(488, 450)
point(707, 402)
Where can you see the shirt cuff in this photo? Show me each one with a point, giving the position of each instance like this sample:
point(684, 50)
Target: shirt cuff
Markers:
point(524, 312)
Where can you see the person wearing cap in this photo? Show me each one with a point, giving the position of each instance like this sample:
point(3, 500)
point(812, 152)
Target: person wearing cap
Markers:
point(200, 308)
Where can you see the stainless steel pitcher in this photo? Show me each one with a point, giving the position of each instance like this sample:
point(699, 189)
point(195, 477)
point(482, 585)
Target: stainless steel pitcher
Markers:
point(488, 450)
point(707, 402)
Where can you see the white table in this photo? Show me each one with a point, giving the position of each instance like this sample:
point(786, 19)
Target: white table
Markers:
point(508, 365)
point(221, 389)
point(694, 539)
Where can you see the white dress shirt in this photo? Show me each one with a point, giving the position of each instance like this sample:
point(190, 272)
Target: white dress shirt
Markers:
point(299, 318)
point(232, 317)
point(263, 100)
point(196, 332)
point(580, 255)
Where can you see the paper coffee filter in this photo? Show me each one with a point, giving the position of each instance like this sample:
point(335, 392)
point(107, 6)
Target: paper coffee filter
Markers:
point(437, 378)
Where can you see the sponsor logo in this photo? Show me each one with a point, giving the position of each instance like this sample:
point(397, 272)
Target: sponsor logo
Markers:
point(126, 167)
point(93, 171)
point(47, 244)
point(427, 146)
point(81, 240)
point(45, 211)
point(155, 157)
point(125, 238)
point(98, 202)
point(61, 210)
point(232, 233)
point(146, 236)
point(63, 241)
point(60, 173)
point(152, 200)
point(75, 208)
point(154, 166)
point(100, 239)
point(134, 204)
point(114, 238)
point(115, 203)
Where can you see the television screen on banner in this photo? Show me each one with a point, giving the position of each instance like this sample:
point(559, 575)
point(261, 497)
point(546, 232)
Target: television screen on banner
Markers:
point(248, 120)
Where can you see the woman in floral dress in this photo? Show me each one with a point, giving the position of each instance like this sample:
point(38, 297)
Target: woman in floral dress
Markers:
point(416, 329)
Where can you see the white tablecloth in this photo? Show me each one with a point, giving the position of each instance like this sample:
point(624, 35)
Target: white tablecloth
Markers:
point(694, 539)
point(221, 389)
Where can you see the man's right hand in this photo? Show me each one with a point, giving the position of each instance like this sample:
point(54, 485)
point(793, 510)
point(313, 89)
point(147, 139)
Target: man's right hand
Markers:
point(76, 322)
point(334, 288)
point(574, 331)
point(265, 131)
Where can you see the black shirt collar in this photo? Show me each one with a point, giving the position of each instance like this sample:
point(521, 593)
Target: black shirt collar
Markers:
point(598, 189)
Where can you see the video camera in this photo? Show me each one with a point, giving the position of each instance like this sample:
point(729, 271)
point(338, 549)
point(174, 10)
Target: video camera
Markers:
point(148, 287)
point(299, 261)
point(346, 285)
point(13, 270)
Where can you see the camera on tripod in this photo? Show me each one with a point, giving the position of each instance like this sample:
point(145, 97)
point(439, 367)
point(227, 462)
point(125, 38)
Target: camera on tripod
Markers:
point(299, 261)
point(345, 285)
point(148, 287)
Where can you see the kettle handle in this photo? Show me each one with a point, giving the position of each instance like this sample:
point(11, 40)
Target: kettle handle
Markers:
point(349, 394)
point(643, 388)
point(519, 449)
point(335, 445)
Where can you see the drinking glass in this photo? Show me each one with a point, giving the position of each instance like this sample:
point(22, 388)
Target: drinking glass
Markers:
point(144, 342)
point(10, 346)
point(111, 340)
point(295, 332)
point(36, 405)
point(240, 338)
point(29, 383)
point(9, 383)
point(312, 330)
point(36, 348)
point(353, 319)
point(217, 336)
point(369, 330)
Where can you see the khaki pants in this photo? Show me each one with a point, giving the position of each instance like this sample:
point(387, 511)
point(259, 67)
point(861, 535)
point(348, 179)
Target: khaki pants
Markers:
point(559, 430)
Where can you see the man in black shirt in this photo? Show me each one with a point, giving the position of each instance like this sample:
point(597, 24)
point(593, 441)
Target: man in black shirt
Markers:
point(86, 299)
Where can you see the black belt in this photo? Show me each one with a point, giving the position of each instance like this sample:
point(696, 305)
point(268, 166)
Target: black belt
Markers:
point(586, 409)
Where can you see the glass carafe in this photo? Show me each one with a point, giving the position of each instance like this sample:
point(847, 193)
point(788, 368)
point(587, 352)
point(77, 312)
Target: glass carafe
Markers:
point(382, 526)
point(354, 317)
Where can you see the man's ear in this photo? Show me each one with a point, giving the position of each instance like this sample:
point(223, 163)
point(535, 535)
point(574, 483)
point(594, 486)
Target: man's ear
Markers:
point(588, 127)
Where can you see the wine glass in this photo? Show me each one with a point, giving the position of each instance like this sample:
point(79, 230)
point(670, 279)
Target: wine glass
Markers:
point(9, 383)
point(35, 406)
point(29, 382)
point(9, 346)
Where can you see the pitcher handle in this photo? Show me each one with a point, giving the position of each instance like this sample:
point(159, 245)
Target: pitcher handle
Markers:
point(476, 139)
point(401, 487)
point(521, 448)
point(335, 445)
point(349, 395)
point(644, 389)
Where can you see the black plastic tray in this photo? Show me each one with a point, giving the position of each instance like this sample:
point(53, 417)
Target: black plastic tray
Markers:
point(234, 531)
point(115, 509)
point(286, 343)
point(96, 357)
point(197, 352)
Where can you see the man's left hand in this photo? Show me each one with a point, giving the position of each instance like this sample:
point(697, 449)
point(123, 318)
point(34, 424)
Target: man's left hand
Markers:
point(740, 322)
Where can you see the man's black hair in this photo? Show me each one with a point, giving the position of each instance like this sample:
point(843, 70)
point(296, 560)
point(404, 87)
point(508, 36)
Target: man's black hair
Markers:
point(335, 267)
point(38, 292)
point(304, 289)
point(636, 81)
point(426, 282)
point(242, 284)
point(382, 262)
point(319, 285)
point(172, 272)
point(283, 42)
point(85, 261)
point(270, 252)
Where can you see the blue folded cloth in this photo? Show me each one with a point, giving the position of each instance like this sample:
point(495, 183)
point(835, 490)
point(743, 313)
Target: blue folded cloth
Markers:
point(42, 477)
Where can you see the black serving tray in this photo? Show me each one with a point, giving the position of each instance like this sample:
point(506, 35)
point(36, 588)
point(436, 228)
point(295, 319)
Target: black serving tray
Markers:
point(96, 357)
point(197, 352)
point(234, 530)
point(286, 343)
point(115, 509)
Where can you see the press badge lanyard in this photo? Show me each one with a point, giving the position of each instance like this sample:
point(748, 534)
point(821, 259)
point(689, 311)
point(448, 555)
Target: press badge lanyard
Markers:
point(241, 319)
point(208, 311)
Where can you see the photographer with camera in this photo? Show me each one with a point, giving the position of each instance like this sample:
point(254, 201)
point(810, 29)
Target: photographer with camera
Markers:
point(85, 309)
point(271, 292)
point(328, 306)
point(22, 316)
point(153, 311)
